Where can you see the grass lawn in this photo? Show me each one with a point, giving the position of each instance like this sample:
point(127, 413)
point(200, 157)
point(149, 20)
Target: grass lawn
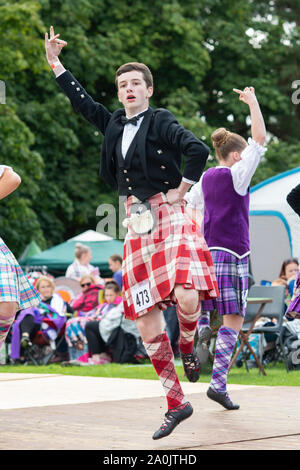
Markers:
point(276, 375)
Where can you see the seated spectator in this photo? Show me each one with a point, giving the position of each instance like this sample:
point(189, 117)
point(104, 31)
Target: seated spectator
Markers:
point(89, 297)
point(289, 269)
point(32, 320)
point(115, 265)
point(98, 334)
point(288, 272)
point(75, 329)
point(85, 307)
point(81, 265)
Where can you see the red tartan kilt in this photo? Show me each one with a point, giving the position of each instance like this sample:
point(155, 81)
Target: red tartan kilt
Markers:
point(174, 253)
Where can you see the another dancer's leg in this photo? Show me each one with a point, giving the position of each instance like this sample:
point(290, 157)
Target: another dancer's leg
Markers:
point(226, 340)
point(204, 336)
point(159, 350)
point(188, 312)
point(7, 316)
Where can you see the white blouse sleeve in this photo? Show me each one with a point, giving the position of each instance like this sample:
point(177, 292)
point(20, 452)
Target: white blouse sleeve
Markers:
point(194, 197)
point(2, 168)
point(243, 170)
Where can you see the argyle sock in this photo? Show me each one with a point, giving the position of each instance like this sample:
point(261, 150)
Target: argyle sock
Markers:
point(225, 343)
point(204, 320)
point(160, 352)
point(6, 321)
point(187, 328)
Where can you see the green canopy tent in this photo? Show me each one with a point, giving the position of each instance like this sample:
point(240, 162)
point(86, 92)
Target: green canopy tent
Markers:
point(31, 249)
point(59, 257)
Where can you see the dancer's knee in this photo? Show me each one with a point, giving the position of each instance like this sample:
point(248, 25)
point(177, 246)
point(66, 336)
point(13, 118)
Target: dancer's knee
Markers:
point(188, 299)
point(8, 309)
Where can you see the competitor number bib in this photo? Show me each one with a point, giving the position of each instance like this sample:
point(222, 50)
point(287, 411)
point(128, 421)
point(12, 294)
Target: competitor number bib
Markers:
point(141, 296)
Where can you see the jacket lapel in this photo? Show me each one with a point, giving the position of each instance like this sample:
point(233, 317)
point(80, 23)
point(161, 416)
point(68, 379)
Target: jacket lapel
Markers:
point(141, 139)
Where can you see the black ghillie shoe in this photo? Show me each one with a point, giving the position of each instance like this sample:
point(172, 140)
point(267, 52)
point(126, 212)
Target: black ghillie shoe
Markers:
point(172, 418)
point(191, 365)
point(222, 398)
point(202, 348)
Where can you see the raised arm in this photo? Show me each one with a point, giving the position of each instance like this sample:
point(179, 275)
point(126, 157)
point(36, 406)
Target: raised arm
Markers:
point(82, 102)
point(258, 129)
point(53, 47)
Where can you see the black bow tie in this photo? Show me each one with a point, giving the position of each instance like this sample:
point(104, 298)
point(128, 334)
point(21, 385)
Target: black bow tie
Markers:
point(133, 120)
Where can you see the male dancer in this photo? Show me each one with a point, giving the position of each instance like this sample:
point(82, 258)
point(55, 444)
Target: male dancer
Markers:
point(167, 260)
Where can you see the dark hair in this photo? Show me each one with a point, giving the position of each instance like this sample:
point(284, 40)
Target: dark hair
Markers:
point(116, 258)
point(284, 265)
point(135, 66)
point(112, 285)
point(225, 142)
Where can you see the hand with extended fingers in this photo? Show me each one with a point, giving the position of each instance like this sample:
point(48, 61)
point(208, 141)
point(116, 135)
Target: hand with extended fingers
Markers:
point(247, 95)
point(53, 46)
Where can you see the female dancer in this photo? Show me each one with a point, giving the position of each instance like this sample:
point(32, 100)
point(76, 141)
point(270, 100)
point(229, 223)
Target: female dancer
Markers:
point(224, 192)
point(16, 292)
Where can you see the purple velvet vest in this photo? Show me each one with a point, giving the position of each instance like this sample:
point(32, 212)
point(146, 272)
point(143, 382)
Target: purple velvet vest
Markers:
point(226, 214)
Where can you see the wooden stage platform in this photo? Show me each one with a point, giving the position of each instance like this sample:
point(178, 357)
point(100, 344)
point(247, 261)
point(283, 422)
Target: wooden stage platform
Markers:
point(88, 413)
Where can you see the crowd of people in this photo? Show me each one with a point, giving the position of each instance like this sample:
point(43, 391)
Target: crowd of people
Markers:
point(169, 260)
point(74, 325)
point(79, 320)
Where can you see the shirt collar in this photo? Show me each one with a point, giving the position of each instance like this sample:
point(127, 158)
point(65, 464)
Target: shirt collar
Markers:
point(140, 112)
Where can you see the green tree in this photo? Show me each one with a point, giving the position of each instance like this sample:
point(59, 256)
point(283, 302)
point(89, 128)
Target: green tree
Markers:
point(198, 50)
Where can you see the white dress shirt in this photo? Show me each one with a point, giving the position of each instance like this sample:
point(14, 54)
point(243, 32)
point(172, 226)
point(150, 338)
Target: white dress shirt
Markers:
point(129, 132)
point(242, 172)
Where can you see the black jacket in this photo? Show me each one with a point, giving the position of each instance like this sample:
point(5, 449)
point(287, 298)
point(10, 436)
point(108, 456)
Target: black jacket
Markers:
point(293, 198)
point(160, 140)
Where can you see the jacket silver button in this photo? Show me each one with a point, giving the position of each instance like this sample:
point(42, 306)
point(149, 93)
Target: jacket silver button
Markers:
point(127, 179)
point(82, 96)
point(166, 182)
point(163, 167)
point(124, 171)
point(130, 188)
point(78, 89)
point(72, 83)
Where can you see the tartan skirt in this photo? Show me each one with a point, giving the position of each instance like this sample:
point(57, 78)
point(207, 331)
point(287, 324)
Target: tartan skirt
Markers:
point(293, 310)
point(175, 252)
point(14, 285)
point(232, 277)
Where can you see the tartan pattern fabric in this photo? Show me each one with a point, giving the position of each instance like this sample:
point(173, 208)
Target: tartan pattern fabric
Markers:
point(293, 310)
point(174, 253)
point(204, 320)
point(232, 277)
point(14, 285)
point(5, 324)
point(187, 328)
point(225, 343)
point(160, 352)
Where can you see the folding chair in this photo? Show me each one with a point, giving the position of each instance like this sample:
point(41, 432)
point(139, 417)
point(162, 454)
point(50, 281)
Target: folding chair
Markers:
point(43, 348)
point(271, 300)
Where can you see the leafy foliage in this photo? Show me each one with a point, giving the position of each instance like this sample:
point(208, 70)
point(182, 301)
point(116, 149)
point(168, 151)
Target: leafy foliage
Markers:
point(198, 50)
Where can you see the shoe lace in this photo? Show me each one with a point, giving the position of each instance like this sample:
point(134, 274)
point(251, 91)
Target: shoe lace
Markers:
point(190, 361)
point(167, 420)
